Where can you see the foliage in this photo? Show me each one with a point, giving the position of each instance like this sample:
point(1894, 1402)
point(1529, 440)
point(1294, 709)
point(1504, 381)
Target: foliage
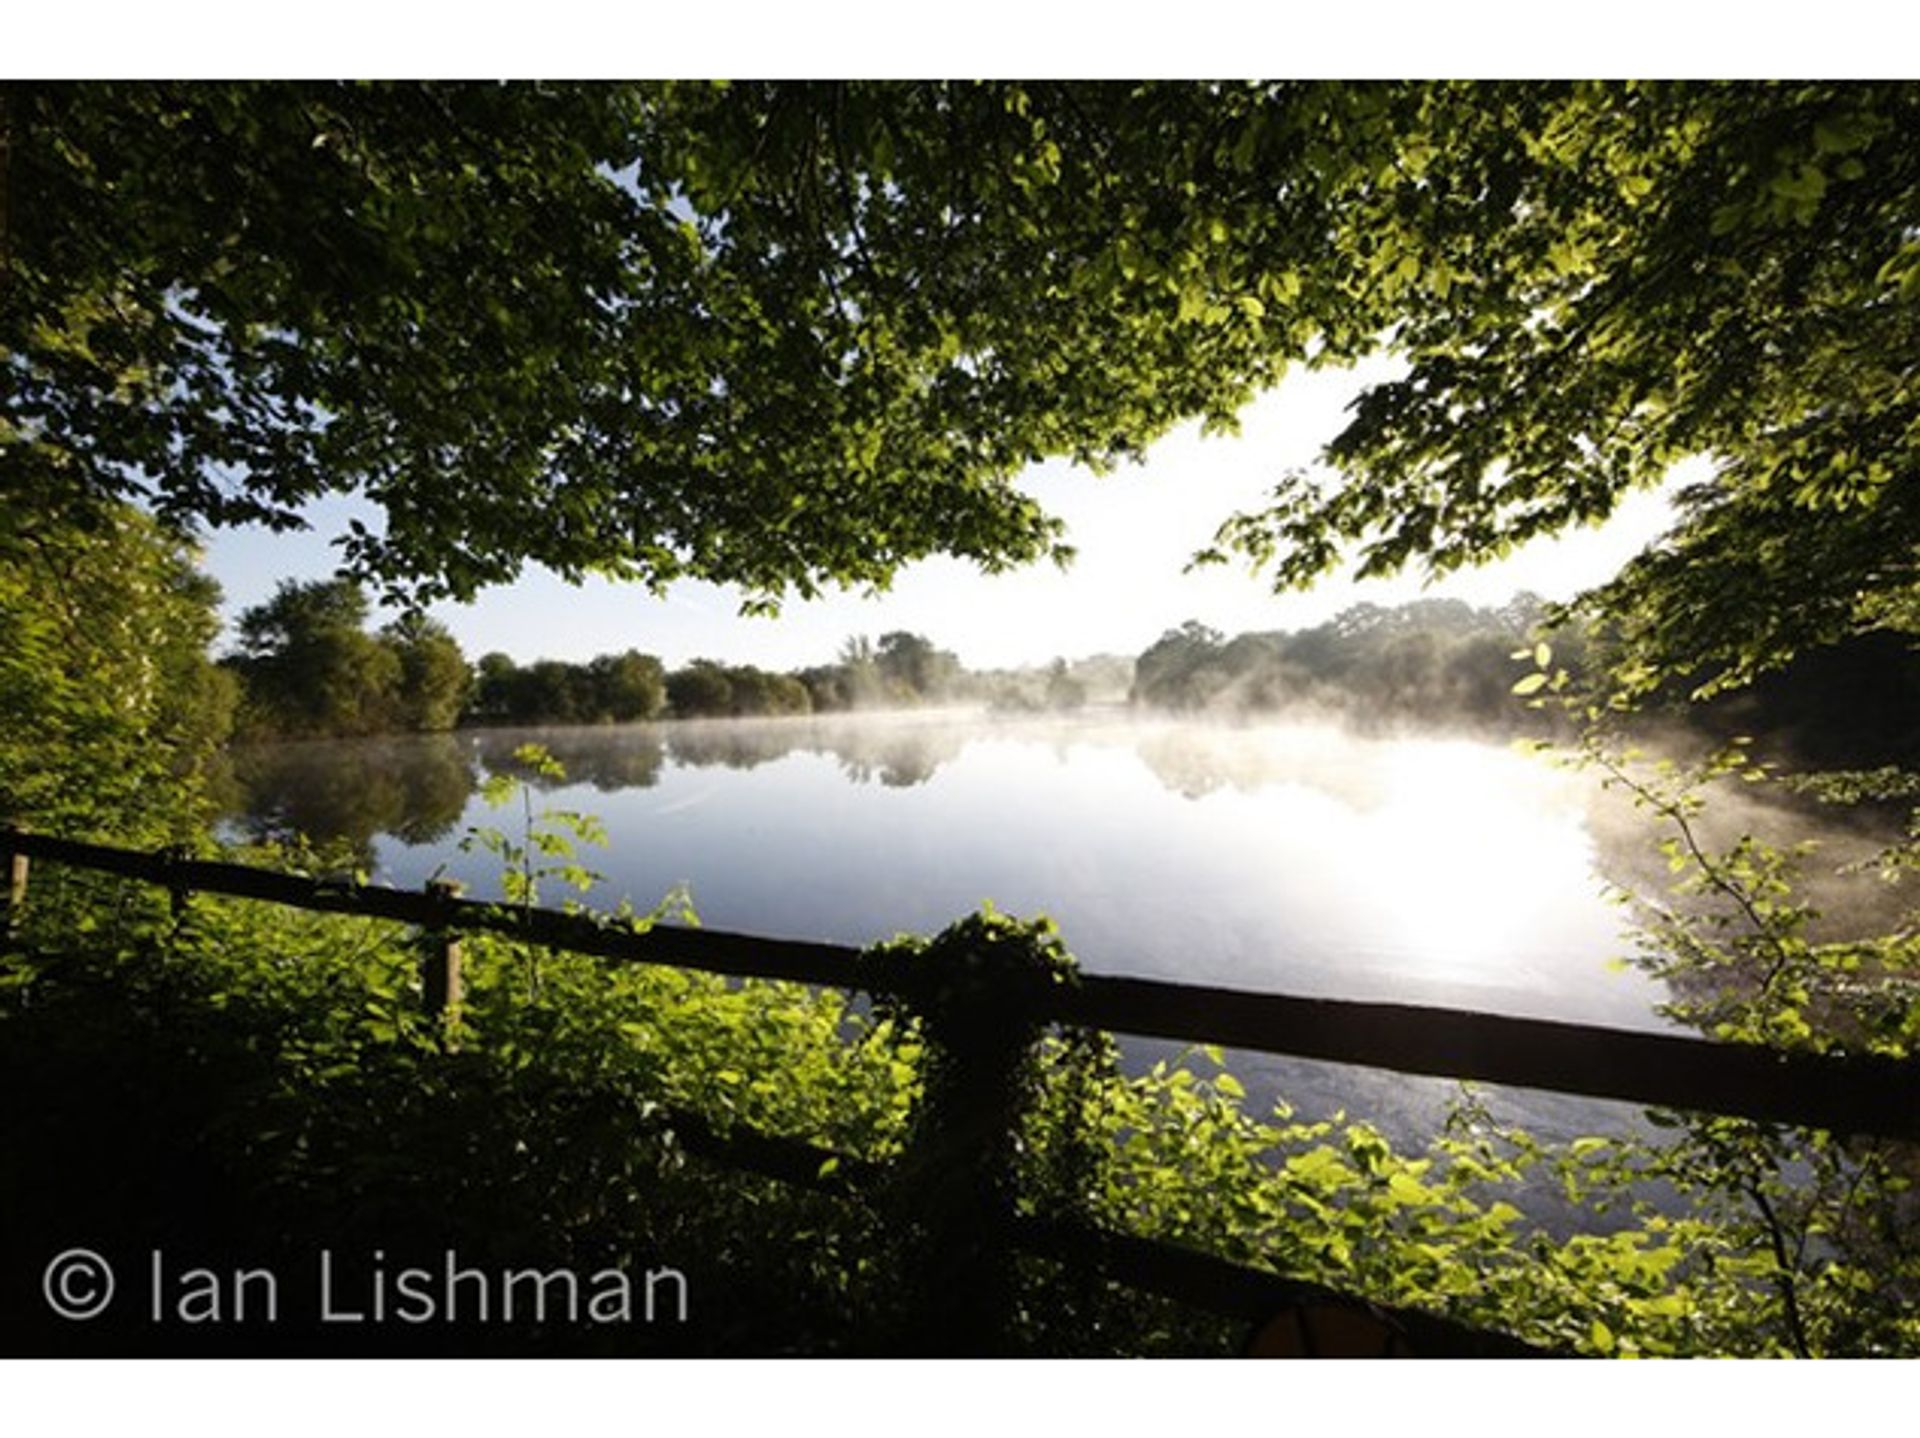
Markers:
point(791, 335)
point(434, 676)
point(964, 985)
point(913, 668)
point(1736, 942)
point(1749, 961)
point(709, 689)
point(309, 668)
point(902, 670)
point(550, 833)
point(110, 710)
point(608, 689)
point(1593, 281)
point(1433, 662)
point(545, 848)
point(306, 1098)
point(770, 335)
point(784, 335)
point(268, 1078)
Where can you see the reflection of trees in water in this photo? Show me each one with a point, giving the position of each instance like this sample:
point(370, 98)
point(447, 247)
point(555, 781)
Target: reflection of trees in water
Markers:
point(897, 756)
point(608, 759)
point(869, 749)
point(899, 760)
point(1194, 770)
point(414, 789)
point(731, 744)
point(1195, 760)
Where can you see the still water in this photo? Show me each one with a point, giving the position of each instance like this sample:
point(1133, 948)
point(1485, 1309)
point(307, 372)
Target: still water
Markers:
point(1293, 858)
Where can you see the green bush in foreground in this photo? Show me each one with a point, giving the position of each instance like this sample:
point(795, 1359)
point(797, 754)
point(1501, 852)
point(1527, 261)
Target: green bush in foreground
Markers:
point(243, 1082)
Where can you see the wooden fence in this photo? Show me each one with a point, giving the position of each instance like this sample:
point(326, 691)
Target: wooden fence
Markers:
point(1846, 1095)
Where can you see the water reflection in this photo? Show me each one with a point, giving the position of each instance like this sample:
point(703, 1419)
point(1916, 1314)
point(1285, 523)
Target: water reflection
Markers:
point(1266, 857)
point(414, 788)
point(1384, 867)
point(1433, 811)
point(353, 791)
point(706, 744)
point(605, 759)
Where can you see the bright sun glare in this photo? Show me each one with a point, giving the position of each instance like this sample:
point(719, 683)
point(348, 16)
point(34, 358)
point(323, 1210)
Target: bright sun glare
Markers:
point(1478, 841)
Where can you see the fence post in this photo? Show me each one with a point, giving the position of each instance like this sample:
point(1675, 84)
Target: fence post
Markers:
point(179, 896)
point(16, 864)
point(972, 991)
point(440, 960)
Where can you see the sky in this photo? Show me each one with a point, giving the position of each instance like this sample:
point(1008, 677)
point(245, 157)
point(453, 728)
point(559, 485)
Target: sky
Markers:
point(1135, 531)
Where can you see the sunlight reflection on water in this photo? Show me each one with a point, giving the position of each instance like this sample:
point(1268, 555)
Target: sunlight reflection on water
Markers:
point(1289, 857)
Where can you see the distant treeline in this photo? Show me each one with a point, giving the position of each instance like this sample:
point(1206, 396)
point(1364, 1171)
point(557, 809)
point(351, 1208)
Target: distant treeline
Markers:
point(1431, 663)
point(901, 670)
point(1443, 664)
point(307, 666)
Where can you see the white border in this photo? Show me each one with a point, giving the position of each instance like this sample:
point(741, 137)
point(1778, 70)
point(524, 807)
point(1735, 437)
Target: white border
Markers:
point(1458, 1399)
point(963, 38)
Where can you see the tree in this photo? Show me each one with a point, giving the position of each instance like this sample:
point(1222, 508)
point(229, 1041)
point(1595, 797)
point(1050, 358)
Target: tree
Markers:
point(787, 335)
point(555, 692)
point(494, 698)
point(913, 668)
point(609, 689)
point(775, 335)
point(628, 686)
point(702, 689)
point(110, 710)
point(309, 667)
point(1063, 690)
point(1180, 670)
point(1596, 280)
point(1430, 663)
point(434, 676)
point(861, 683)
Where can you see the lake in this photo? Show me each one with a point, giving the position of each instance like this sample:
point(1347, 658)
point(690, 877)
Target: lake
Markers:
point(1295, 858)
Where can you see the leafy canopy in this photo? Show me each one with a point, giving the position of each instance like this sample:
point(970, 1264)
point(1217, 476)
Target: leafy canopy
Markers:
point(1596, 281)
point(786, 335)
point(776, 335)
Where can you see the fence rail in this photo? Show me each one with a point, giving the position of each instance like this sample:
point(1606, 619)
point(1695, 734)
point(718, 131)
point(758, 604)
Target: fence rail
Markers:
point(1855, 1094)
point(1863, 1094)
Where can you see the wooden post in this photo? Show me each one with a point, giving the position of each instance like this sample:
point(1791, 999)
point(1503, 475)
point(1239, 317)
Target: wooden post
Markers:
point(961, 1175)
point(179, 896)
point(16, 864)
point(440, 962)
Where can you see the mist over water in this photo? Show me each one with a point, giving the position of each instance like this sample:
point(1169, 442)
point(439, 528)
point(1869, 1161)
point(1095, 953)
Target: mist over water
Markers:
point(1290, 857)
point(1294, 857)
